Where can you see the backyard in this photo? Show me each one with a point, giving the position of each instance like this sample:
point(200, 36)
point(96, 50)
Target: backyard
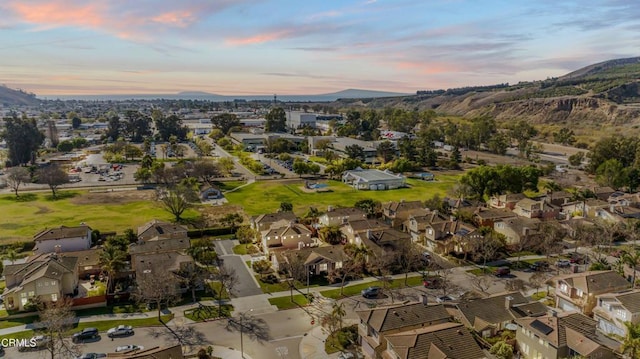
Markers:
point(265, 197)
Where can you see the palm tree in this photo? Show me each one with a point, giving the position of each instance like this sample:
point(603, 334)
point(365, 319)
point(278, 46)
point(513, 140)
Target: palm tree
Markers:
point(631, 342)
point(632, 259)
point(112, 259)
point(338, 312)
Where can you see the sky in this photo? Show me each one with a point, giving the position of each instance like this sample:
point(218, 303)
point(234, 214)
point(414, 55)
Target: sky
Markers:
point(262, 47)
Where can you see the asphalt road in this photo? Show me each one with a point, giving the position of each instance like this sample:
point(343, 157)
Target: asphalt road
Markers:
point(246, 285)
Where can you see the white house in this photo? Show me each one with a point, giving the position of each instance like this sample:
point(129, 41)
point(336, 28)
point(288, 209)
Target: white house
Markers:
point(63, 239)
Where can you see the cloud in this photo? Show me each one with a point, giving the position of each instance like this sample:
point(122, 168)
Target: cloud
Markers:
point(260, 38)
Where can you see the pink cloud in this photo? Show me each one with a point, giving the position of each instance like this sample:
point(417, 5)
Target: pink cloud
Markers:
point(427, 68)
point(259, 39)
point(175, 18)
point(59, 14)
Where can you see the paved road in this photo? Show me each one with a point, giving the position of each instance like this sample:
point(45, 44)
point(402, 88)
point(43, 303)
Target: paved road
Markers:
point(246, 285)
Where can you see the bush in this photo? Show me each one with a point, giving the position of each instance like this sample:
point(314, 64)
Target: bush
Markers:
point(270, 279)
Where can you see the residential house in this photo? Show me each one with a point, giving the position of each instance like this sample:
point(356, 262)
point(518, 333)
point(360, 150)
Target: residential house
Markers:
point(263, 222)
point(166, 262)
point(316, 261)
point(174, 352)
point(156, 229)
point(88, 262)
point(488, 316)
point(339, 216)
point(562, 335)
point(531, 208)
point(291, 236)
point(614, 309)
point(557, 198)
point(517, 229)
point(160, 246)
point(63, 239)
point(572, 209)
point(354, 230)
point(377, 323)
point(450, 236)
point(485, 217)
point(416, 224)
point(439, 341)
point(593, 206)
point(48, 278)
point(373, 179)
point(384, 240)
point(395, 213)
point(505, 201)
point(578, 291)
point(602, 192)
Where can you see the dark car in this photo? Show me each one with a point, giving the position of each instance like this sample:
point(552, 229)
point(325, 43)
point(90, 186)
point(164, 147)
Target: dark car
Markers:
point(86, 333)
point(92, 356)
point(540, 266)
point(503, 271)
point(432, 282)
point(371, 292)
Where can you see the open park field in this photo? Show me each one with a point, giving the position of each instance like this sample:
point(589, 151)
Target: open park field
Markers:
point(265, 197)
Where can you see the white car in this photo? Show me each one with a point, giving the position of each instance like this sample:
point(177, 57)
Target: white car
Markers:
point(120, 331)
point(130, 347)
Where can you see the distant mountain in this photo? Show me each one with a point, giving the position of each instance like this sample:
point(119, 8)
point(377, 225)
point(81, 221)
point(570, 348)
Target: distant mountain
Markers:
point(201, 95)
point(602, 94)
point(11, 97)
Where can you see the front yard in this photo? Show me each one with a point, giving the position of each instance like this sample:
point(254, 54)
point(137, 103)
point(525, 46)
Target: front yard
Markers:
point(356, 289)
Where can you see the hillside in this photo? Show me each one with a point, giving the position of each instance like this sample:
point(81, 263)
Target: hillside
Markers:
point(10, 97)
point(606, 93)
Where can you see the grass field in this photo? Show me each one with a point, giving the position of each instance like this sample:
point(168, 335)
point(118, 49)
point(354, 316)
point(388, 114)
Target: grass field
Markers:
point(284, 303)
point(356, 289)
point(22, 219)
point(265, 197)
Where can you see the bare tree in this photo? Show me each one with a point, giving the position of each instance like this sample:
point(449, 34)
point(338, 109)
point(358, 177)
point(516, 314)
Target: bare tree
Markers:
point(407, 257)
point(350, 269)
point(228, 279)
point(551, 235)
point(445, 276)
point(186, 335)
point(486, 248)
point(57, 319)
point(193, 276)
point(514, 285)
point(537, 280)
point(481, 282)
point(245, 323)
point(157, 287)
point(53, 176)
point(16, 177)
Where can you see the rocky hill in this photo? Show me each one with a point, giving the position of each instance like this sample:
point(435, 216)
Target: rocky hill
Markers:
point(10, 97)
point(607, 93)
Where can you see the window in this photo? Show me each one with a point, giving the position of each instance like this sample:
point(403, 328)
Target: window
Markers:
point(564, 287)
point(23, 295)
point(39, 284)
point(622, 314)
point(338, 265)
point(46, 284)
point(323, 267)
point(32, 294)
point(53, 282)
point(54, 297)
point(579, 292)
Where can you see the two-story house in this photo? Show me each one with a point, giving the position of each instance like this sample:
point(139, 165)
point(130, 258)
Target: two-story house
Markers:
point(417, 224)
point(155, 229)
point(63, 239)
point(485, 217)
point(531, 208)
point(377, 323)
point(562, 335)
point(557, 198)
point(488, 316)
point(439, 341)
point(517, 229)
point(316, 261)
point(614, 309)
point(578, 291)
point(263, 222)
point(354, 231)
point(47, 277)
point(450, 236)
point(294, 235)
point(395, 213)
point(505, 201)
point(339, 216)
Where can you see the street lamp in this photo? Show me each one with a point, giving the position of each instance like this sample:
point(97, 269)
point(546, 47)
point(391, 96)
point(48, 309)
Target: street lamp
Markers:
point(241, 331)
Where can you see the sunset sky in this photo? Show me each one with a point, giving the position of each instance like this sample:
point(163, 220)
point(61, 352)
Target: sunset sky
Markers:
point(255, 47)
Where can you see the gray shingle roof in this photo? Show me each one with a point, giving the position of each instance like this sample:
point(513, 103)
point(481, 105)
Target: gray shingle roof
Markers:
point(446, 340)
point(403, 315)
point(61, 232)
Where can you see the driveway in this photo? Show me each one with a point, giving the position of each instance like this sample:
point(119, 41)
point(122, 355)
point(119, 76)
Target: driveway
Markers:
point(246, 285)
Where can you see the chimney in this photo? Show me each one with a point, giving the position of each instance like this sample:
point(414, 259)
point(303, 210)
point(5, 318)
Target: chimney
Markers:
point(507, 301)
point(329, 208)
point(57, 248)
point(525, 231)
point(368, 234)
point(424, 299)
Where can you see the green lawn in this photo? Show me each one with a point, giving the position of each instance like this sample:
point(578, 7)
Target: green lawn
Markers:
point(37, 212)
point(99, 288)
point(3, 284)
point(356, 289)
point(265, 197)
point(16, 322)
point(242, 248)
point(285, 302)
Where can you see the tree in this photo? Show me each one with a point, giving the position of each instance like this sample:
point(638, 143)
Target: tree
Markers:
point(156, 286)
point(537, 280)
point(176, 200)
point(193, 277)
point(610, 173)
point(286, 207)
point(170, 126)
point(75, 122)
point(632, 259)
point(502, 350)
point(23, 139)
point(514, 285)
point(113, 128)
point(65, 146)
point(245, 234)
point(355, 152)
point(522, 132)
point(407, 258)
point(112, 260)
point(564, 136)
point(386, 151)
point(331, 234)
point(16, 177)
point(276, 120)
point(228, 279)
point(576, 159)
point(225, 122)
point(203, 251)
point(369, 206)
point(232, 220)
point(333, 320)
point(486, 248)
point(57, 319)
point(226, 165)
point(137, 125)
point(53, 176)
point(631, 341)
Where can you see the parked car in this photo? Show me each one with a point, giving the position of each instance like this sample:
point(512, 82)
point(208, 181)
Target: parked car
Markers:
point(432, 282)
point(92, 356)
point(539, 266)
point(130, 347)
point(561, 263)
point(86, 333)
point(444, 298)
point(120, 331)
point(371, 292)
point(503, 271)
